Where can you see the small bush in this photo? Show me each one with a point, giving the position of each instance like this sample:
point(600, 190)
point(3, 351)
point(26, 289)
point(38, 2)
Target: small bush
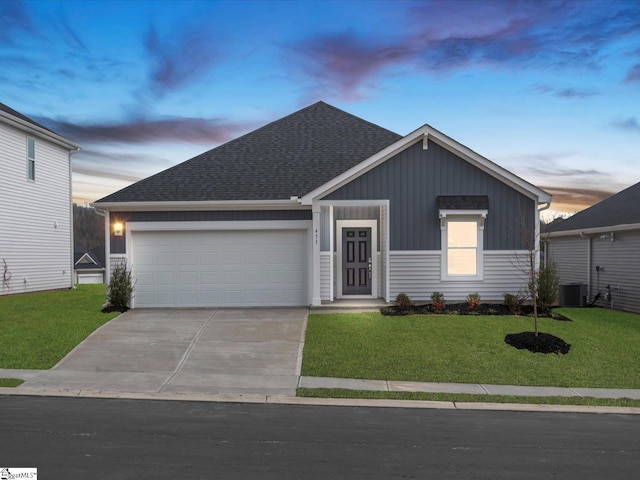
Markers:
point(473, 301)
point(437, 302)
point(514, 302)
point(548, 286)
point(403, 302)
point(120, 288)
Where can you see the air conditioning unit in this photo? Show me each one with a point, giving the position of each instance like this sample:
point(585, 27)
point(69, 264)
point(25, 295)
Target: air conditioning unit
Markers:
point(573, 294)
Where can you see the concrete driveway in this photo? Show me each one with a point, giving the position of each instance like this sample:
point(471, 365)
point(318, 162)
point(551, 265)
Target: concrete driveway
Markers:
point(217, 351)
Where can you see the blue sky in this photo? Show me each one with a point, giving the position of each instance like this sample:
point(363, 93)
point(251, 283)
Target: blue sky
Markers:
point(548, 89)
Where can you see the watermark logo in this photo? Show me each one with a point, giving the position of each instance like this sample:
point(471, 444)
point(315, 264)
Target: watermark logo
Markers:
point(12, 473)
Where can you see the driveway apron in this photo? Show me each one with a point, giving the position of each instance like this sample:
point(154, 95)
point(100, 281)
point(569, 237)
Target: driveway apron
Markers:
point(217, 351)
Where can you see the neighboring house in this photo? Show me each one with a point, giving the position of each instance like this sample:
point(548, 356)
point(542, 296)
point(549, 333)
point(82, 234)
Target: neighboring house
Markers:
point(600, 248)
point(89, 265)
point(320, 206)
point(36, 226)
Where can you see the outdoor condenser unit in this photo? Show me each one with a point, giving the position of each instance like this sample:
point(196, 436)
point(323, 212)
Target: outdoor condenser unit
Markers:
point(573, 294)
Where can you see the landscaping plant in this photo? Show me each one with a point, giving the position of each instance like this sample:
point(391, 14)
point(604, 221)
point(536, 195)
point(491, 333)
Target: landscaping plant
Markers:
point(403, 302)
point(473, 301)
point(120, 288)
point(548, 285)
point(437, 302)
point(515, 302)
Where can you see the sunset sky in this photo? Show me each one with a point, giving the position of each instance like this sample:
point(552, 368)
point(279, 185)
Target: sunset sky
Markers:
point(547, 89)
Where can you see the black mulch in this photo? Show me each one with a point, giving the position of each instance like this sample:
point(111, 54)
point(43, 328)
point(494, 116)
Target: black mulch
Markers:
point(543, 343)
point(463, 309)
point(111, 308)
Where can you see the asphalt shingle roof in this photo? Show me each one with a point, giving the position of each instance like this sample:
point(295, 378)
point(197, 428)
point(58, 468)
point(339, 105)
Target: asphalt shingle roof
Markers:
point(288, 157)
point(623, 208)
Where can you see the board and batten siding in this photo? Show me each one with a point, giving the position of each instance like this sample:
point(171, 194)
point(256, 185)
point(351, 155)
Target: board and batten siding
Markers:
point(418, 275)
point(414, 178)
point(619, 263)
point(35, 216)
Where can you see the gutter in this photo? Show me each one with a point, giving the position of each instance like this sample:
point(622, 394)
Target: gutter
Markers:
point(42, 132)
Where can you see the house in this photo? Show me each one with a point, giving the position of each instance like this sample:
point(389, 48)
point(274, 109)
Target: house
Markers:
point(320, 206)
point(89, 265)
point(600, 248)
point(36, 239)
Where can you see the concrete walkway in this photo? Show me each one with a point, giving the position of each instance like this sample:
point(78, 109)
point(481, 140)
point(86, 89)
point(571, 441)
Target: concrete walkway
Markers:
point(470, 388)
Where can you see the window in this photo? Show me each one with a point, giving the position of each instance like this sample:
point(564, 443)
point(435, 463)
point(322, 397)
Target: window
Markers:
point(462, 247)
point(31, 159)
point(462, 244)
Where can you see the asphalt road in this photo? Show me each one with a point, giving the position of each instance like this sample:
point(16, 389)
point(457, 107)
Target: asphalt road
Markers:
point(78, 438)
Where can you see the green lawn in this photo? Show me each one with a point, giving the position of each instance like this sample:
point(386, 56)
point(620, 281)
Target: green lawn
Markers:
point(39, 329)
point(471, 349)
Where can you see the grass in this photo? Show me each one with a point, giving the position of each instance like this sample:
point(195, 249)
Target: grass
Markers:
point(461, 397)
point(471, 349)
point(10, 382)
point(38, 329)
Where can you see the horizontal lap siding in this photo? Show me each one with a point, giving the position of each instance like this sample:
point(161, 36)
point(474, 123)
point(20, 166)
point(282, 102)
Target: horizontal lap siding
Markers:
point(35, 220)
point(569, 254)
point(619, 263)
point(418, 275)
point(325, 275)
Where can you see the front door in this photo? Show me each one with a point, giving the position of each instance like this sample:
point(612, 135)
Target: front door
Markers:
point(356, 261)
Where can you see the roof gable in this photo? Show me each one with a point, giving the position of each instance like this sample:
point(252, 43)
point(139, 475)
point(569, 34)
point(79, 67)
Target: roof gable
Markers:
point(623, 208)
point(286, 158)
point(426, 134)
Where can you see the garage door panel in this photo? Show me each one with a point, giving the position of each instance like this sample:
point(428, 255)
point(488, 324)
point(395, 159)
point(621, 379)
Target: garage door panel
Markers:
point(220, 268)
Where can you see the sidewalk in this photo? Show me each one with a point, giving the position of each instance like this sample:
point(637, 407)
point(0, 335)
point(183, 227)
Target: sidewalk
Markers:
point(469, 388)
point(400, 386)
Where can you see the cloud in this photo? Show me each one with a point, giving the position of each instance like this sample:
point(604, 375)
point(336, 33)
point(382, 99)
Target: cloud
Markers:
point(633, 75)
point(443, 36)
point(565, 92)
point(345, 61)
point(140, 131)
point(14, 19)
point(180, 57)
point(571, 200)
point(627, 124)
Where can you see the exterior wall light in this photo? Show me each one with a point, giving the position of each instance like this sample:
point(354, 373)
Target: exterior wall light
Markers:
point(118, 229)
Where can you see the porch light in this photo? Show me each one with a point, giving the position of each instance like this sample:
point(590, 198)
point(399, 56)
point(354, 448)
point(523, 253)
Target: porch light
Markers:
point(118, 228)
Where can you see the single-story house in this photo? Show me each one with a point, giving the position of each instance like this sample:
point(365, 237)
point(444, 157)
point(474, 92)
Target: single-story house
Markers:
point(320, 206)
point(600, 248)
point(36, 222)
point(89, 265)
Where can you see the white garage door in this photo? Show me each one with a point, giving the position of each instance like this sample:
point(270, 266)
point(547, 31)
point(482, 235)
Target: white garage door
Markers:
point(220, 268)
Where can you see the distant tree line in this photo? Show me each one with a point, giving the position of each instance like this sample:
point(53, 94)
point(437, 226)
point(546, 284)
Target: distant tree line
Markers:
point(88, 228)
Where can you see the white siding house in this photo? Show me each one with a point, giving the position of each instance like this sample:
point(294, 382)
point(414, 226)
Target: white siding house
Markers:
point(36, 227)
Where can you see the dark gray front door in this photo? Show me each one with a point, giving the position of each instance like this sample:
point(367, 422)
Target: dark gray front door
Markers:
point(356, 261)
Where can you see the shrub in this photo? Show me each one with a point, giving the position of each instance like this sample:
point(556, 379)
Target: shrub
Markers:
point(548, 285)
point(514, 302)
point(473, 301)
point(437, 302)
point(121, 287)
point(403, 302)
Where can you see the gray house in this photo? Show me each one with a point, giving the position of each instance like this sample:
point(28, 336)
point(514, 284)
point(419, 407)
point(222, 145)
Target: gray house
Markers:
point(600, 248)
point(320, 206)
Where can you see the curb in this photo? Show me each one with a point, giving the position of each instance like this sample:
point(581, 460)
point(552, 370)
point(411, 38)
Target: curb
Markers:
point(323, 402)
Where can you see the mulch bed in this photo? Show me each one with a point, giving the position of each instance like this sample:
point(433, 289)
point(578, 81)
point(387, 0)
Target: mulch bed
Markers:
point(111, 308)
point(463, 309)
point(543, 343)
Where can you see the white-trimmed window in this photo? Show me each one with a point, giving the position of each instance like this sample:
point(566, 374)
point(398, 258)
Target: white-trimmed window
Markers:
point(462, 244)
point(31, 159)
